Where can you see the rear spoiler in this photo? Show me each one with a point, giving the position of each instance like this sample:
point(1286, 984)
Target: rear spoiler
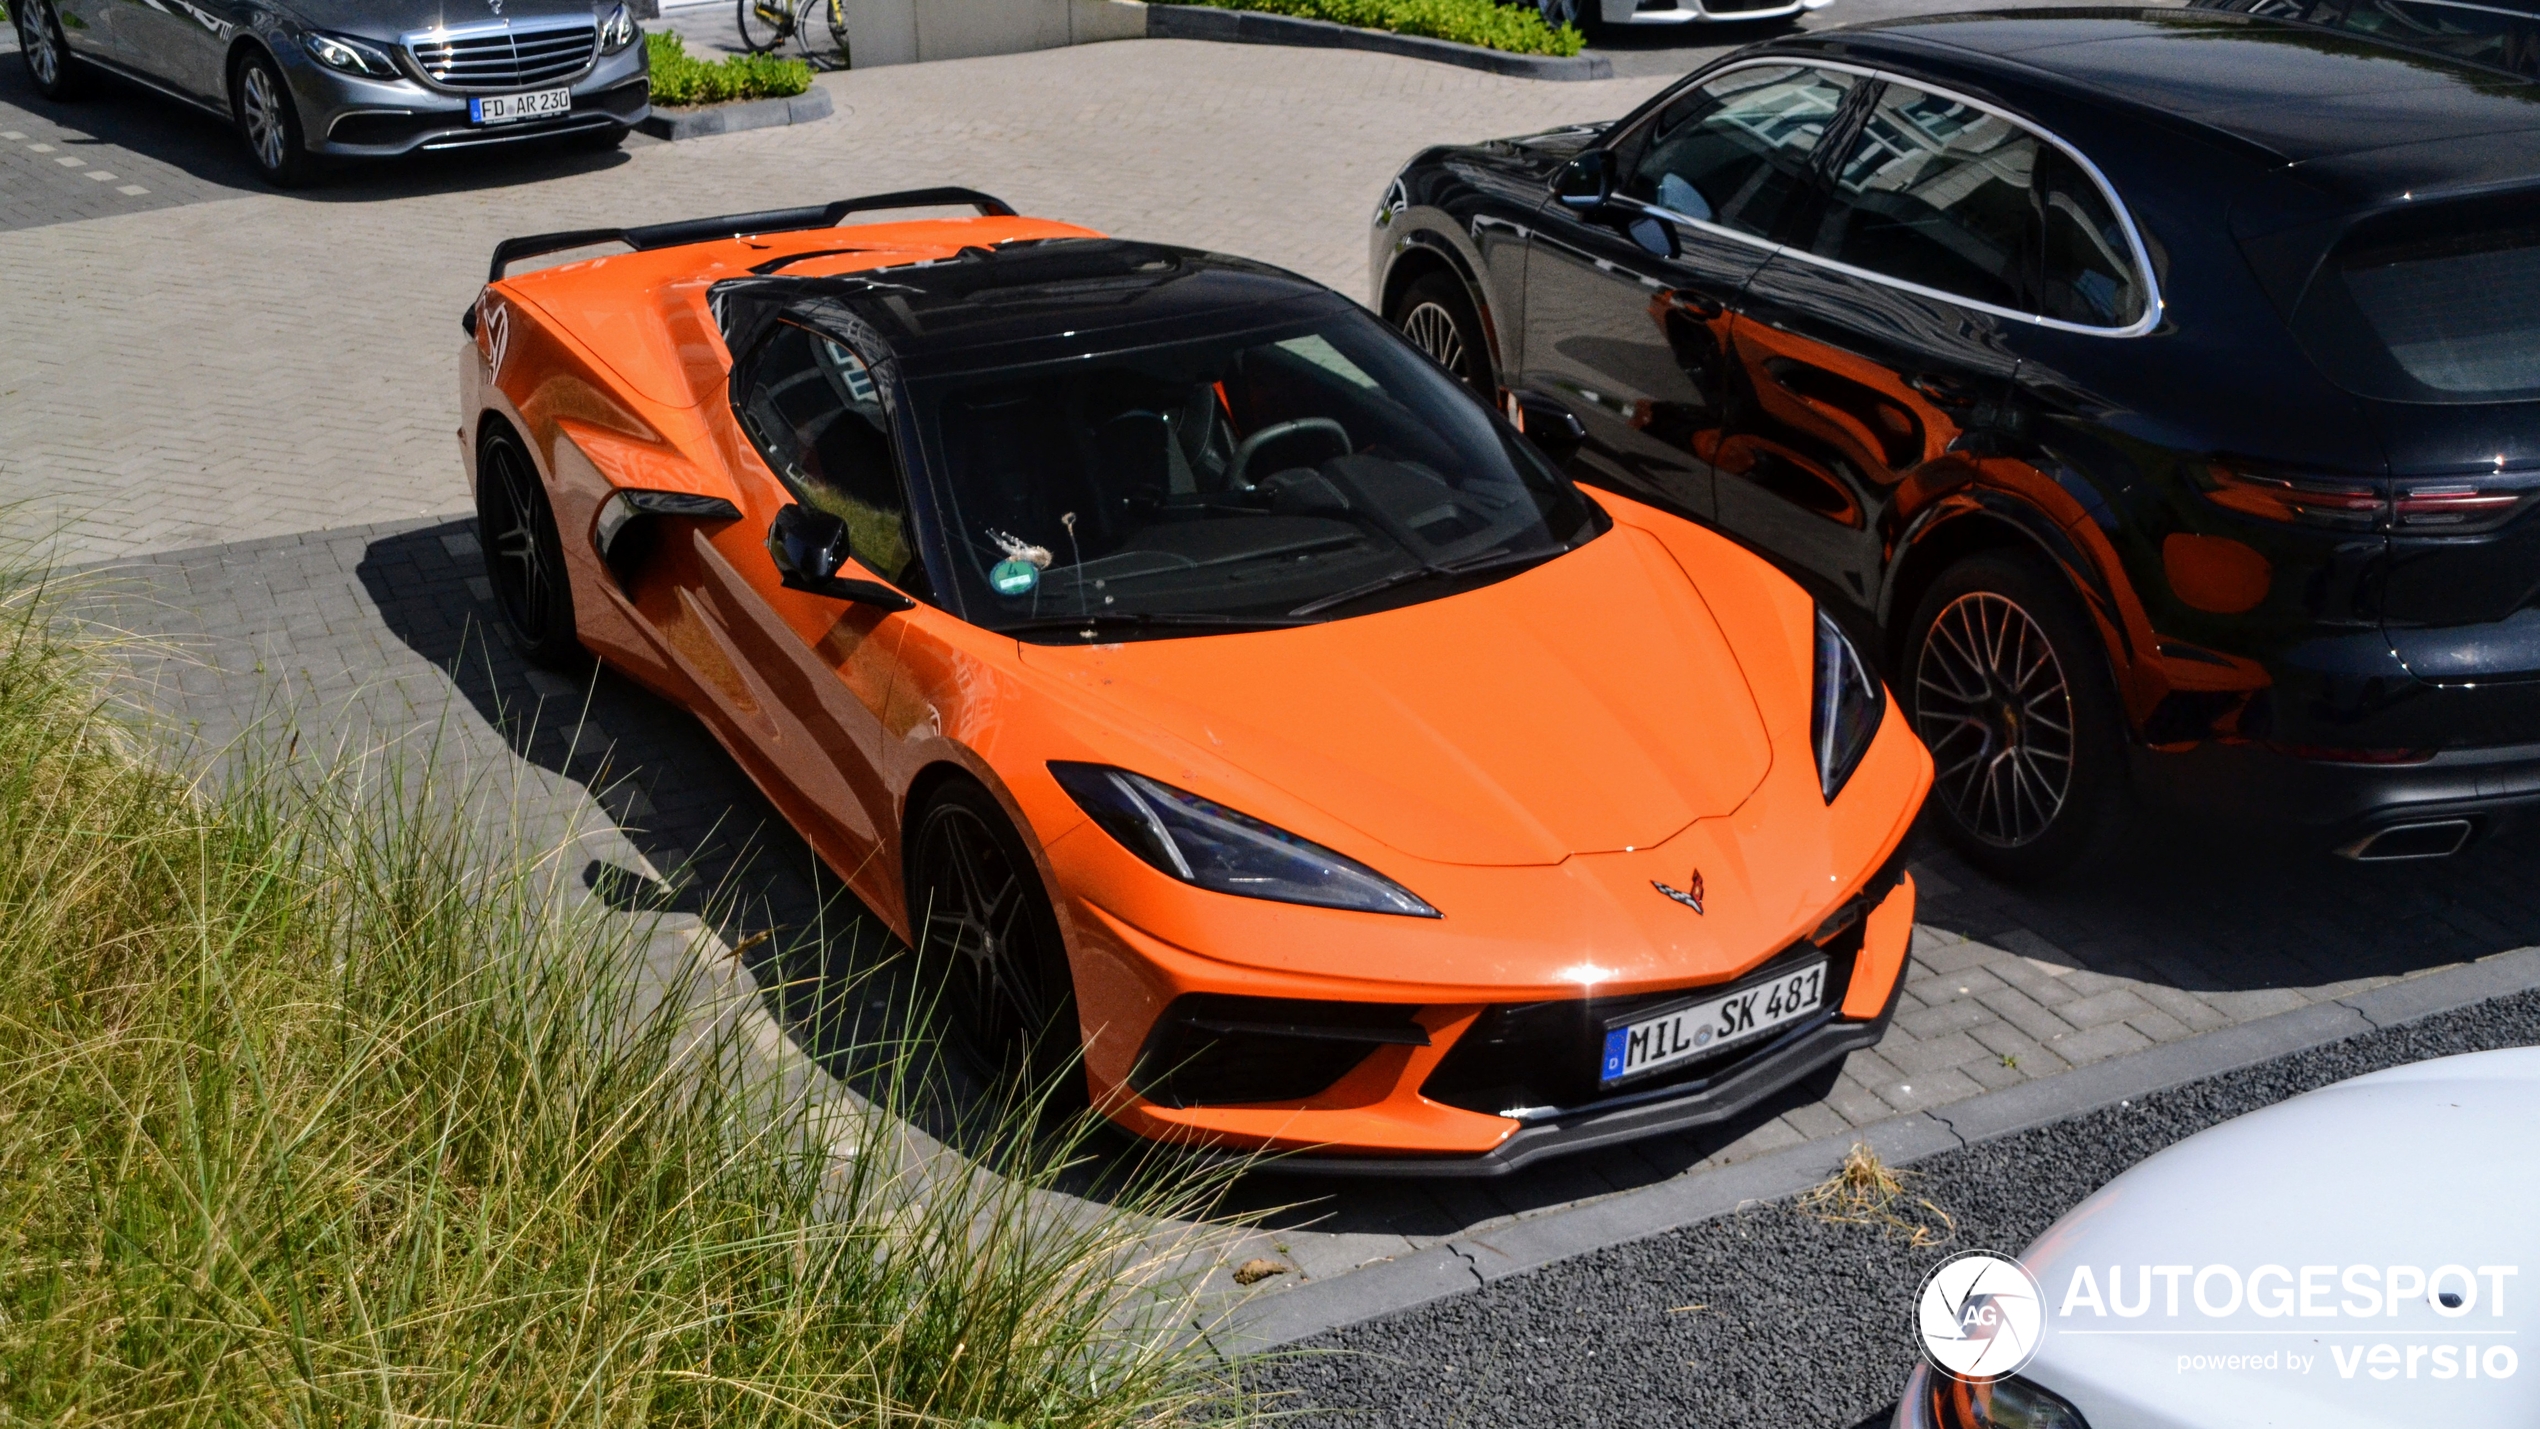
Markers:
point(736, 225)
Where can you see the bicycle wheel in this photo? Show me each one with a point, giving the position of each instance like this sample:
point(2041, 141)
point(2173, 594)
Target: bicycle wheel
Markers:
point(824, 35)
point(765, 24)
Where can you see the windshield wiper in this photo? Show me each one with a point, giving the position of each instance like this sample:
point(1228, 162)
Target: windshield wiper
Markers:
point(1469, 566)
point(1141, 620)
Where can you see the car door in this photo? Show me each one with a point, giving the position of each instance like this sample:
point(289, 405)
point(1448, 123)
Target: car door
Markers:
point(1876, 345)
point(176, 42)
point(802, 679)
point(1629, 306)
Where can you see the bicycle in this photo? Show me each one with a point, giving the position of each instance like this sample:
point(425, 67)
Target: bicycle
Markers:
point(817, 27)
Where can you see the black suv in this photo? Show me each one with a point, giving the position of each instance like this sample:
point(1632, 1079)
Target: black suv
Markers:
point(2165, 384)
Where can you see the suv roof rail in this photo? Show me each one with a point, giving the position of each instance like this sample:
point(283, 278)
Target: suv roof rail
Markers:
point(735, 225)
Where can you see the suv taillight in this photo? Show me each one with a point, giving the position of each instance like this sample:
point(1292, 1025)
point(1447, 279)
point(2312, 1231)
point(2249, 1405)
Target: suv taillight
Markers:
point(2346, 504)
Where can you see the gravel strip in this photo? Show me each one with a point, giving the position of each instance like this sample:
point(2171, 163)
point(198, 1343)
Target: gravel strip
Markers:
point(1798, 1322)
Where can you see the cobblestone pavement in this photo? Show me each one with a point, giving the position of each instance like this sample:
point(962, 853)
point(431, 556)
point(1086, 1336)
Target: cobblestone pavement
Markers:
point(247, 404)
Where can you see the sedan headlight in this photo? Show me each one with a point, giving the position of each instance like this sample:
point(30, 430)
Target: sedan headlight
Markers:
point(617, 31)
point(343, 52)
point(1213, 847)
point(1935, 1401)
point(1849, 706)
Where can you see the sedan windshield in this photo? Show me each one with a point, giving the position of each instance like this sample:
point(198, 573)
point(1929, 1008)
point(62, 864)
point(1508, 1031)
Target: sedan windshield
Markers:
point(1308, 471)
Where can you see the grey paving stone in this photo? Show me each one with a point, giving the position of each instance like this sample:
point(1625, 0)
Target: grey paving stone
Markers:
point(2094, 1044)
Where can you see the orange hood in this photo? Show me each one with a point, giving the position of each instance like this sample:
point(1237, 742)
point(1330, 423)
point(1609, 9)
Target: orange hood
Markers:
point(1590, 704)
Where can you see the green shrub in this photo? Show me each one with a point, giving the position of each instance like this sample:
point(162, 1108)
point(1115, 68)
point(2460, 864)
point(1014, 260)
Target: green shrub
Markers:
point(313, 1112)
point(1516, 29)
point(681, 78)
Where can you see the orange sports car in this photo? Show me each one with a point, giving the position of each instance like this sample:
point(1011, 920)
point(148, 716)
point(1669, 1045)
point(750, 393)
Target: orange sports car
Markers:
point(1198, 675)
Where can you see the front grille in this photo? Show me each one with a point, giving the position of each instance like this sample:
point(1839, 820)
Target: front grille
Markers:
point(510, 59)
point(1545, 1054)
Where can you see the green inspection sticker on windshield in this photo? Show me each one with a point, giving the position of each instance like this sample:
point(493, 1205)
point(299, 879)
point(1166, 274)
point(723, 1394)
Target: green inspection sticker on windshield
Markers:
point(1014, 577)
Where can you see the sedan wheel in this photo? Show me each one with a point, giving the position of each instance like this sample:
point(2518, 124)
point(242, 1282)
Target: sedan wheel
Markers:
point(48, 59)
point(269, 122)
point(2010, 693)
point(980, 916)
point(524, 561)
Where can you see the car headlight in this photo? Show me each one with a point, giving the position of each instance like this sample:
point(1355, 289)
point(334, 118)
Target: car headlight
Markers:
point(617, 31)
point(1211, 846)
point(1936, 1401)
point(1849, 706)
point(342, 52)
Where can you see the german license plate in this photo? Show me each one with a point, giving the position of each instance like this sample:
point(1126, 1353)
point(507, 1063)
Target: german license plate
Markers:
point(512, 108)
point(1702, 1028)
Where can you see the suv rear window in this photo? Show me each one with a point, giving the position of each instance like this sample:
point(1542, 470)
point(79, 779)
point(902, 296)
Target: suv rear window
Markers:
point(2435, 306)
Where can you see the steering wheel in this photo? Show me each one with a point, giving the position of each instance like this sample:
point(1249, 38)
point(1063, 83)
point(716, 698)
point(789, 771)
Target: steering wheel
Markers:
point(1279, 431)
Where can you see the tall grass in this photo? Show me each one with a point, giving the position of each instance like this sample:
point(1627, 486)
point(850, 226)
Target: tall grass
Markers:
point(312, 1111)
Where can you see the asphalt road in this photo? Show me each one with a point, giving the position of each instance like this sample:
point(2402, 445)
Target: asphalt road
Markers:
point(1769, 1315)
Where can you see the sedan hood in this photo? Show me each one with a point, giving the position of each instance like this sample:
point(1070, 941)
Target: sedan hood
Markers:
point(388, 19)
point(2300, 1221)
point(1586, 705)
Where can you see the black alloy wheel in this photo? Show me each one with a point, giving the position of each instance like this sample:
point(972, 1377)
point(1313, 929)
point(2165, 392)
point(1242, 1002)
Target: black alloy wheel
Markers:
point(524, 560)
point(1438, 317)
point(983, 921)
point(49, 63)
point(269, 120)
point(2009, 691)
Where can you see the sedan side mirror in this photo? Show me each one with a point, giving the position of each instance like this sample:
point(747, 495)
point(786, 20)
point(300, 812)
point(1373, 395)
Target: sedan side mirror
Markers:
point(1554, 429)
point(1586, 182)
point(809, 547)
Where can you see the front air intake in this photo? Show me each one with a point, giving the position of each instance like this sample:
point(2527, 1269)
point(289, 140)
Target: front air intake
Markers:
point(506, 59)
point(1214, 1049)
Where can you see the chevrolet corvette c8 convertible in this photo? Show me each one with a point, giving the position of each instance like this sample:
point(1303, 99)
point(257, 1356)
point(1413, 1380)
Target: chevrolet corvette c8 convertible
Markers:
point(1202, 679)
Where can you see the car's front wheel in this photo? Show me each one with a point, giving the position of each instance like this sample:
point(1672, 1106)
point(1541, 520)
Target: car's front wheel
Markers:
point(524, 559)
point(56, 74)
point(269, 121)
point(2008, 688)
point(982, 921)
point(1439, 319)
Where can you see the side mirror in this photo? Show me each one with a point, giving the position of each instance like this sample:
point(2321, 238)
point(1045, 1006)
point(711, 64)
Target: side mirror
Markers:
point(1586, 182)
point(809, 548)
point(1553, 428)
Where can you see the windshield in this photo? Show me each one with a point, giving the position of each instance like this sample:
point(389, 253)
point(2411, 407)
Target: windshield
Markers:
point(1308, 471)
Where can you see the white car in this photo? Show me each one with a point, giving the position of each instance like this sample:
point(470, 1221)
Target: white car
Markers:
point(1671, 12)
point(2365, 1254)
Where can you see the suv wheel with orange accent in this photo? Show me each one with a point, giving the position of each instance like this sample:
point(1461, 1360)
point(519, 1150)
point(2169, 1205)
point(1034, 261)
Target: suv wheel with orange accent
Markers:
point(983, 924)
point(2008, 689)
point(524, 560)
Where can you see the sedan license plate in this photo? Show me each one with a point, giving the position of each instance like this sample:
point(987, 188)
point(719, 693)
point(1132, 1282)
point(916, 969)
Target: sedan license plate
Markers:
point(1666, 1038)
point(512, 108)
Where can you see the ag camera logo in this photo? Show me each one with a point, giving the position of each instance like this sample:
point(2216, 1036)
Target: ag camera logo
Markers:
point(1980, 1316)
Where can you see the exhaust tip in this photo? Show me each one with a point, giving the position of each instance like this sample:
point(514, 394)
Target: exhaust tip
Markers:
point(2436, 838)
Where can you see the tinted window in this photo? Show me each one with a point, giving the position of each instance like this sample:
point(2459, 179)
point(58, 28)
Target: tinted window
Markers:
point(1935, 192)
point(1306, 471)
point(2439, 306)
point(816, 413)
point(1732, 151)
point(2087, 272)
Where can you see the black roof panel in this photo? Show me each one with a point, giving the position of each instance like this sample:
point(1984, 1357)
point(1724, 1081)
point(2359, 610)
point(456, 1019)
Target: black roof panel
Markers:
point(2299, 91)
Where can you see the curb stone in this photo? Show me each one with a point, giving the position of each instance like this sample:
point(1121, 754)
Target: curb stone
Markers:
point(1469, 1262)
point(1250, 27)
point(813, 103)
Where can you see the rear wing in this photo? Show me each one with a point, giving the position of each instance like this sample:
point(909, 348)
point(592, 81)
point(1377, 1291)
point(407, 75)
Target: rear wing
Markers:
point(736, 225)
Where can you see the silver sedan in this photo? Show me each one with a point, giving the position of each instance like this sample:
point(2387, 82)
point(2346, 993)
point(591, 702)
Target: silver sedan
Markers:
point(308, 79)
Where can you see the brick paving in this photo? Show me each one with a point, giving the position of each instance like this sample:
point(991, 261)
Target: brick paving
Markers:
point(245, 405)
